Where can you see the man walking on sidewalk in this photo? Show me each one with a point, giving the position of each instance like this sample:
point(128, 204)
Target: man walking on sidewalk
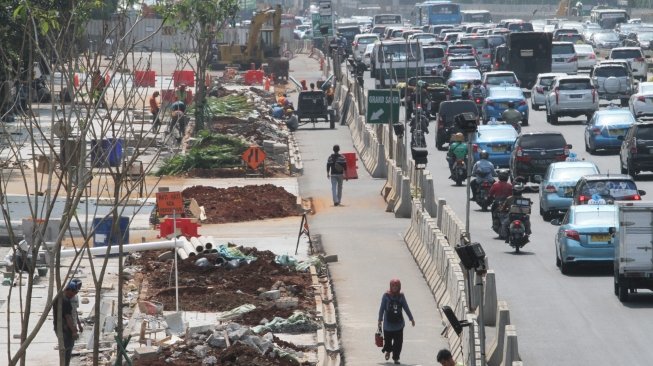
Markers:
point(336, 166)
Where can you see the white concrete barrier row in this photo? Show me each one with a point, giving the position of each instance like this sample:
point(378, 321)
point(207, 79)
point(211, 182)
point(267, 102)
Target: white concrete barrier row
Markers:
point(327, 336)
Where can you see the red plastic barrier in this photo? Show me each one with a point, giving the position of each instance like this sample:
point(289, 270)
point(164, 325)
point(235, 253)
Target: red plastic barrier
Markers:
point(76, 80)
point(186, 226)
point(168, 95)
point(183, 77)
point(145, 78)
point(254, 77)
point(351, 172)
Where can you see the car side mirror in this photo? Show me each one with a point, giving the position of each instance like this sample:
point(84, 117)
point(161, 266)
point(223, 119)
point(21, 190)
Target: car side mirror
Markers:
point(556, 222)
point(620, 137)
point(641, 192)
point(569, 146)
point(612, 230)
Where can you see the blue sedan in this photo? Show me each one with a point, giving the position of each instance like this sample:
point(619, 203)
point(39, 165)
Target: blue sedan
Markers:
point(605, 127)
point(497, 140)
point(497, 100)
point(583, 236)
point(557, 186)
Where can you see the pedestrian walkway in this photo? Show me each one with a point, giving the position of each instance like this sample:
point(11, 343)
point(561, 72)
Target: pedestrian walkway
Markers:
point(370, 248)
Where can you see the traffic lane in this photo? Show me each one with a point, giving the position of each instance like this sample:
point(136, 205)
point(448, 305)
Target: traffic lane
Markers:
point(556, 315)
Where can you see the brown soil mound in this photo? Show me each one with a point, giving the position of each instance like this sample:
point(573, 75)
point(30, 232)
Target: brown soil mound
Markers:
point(237, 204)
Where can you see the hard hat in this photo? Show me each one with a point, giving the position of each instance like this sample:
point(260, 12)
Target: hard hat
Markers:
point(484, 154)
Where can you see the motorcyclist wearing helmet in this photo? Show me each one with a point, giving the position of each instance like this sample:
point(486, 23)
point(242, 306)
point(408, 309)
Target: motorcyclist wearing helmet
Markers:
point(517, 190)
point(483, 170)
point(502, 189)
point(457, 149)
point(512, 116)
point(417, 96)
point(478, 90)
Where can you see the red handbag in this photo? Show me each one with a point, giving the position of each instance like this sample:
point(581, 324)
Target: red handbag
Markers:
point(378, 338)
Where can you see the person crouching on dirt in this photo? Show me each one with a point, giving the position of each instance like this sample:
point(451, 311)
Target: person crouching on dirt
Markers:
point(292, 122)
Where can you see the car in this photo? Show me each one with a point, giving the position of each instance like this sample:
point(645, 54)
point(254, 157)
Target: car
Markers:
point(433, 57)
point(541, 88)
point(497, 140)
point(435, 87)
point(574, 38)
point(453, 63)
point(571, 96)
point(613, 82)
point(361, 41)
point(589, 29)
point(557, 187)
point(563, 58)
point(605, 40)
point(445, 122)
point(635, 58)
point(584, 236)
point(534, 151)
point(586, 56)
point(497, 99)
point(605, 129)
point(312, 107)
point(559, 31)
point(641, 103)
point(461, 77)
point(460, 50)
point(495, 40)
point(424, 38)
point(483, 50)
point(636, 153)
point(642, 40)
point(608, 187)
point(367, 55)
point(451, 37)
point(495, 78)
point(500, 58)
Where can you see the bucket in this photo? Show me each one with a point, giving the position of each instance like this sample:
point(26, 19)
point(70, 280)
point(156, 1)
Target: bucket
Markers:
point(106, 152)
point(102, 227)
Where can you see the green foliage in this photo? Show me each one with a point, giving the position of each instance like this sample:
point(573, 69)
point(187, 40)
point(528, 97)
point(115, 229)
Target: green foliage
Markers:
point(212, 151)
point(230, 105)
point(187, 14)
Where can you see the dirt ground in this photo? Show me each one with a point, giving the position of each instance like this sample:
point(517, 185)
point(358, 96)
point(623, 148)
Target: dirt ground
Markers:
point(236, 204)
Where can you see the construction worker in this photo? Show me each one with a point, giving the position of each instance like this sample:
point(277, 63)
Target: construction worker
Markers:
point(97, 89)
point(155, 108)
point(181, 94)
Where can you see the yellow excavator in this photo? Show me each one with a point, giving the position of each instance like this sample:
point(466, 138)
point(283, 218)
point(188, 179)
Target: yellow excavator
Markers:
point(262, 46)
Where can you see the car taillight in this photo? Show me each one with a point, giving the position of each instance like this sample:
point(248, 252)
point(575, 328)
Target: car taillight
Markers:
point(557, 91)
point(582, 198)
point(523, 102)
point(440, 122)
point(632, 197)
point(639, 59)
point(478, 100)
point(475, 148)
point(496, 65)
point(596, 131)
point(487, 55)
point(641, 99)
point(452, 83)
point(550, 189)
point(572, 59)
point(572, 234)
point(539, 90)
point(592, 56)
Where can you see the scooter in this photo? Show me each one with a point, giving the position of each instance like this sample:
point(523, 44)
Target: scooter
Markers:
point(516, 227)
point(459, 171)
point(483, 194)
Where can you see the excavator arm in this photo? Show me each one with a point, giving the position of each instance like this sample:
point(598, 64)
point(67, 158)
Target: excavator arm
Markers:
point(254, 50)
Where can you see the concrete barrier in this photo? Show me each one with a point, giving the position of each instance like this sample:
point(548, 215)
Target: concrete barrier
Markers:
point(490, 299)
point(402, 208)
point(496, 350)
point(511, 351)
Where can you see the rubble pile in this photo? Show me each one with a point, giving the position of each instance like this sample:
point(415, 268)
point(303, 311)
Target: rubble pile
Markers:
point(236, 204)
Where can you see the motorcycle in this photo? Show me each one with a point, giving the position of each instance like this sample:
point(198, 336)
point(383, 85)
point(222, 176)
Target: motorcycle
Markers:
point(459, 171)
point(496, 215)
point(483, 194)
point(419, 125)
point(478, 97)
point(516, 225)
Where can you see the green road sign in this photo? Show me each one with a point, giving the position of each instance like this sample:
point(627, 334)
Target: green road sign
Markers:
point(378, 106)
point(318, 21)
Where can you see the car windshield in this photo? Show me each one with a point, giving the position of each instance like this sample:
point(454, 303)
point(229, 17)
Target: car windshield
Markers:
point(572, 173)
point(496, 40)
point(398, 51)
point(503, 93)
point(433, 52)
point(367, 40)
point(605, 218)
point(583, 48)
point(465, 75)
point(575, 84)
point(630, 53)
point(562, 49)
point(615, 188)
point(462, 61)
point(570, 37)
point(542, 141)
point(547, 81)
point(615, 119)
point(606, 37)
point(476, 42)
point(494, 134)
point(499, 79)
point(460, 50)
point(615, 71)
point(646, 36)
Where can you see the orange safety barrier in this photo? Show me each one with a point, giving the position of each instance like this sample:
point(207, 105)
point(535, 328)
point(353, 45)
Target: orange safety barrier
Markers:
point(351, 172)
point(145, 78)
point(76, 80)
point(168, 96)
point(254, 77)
point(267, 84)
point(183, 77)
point(187, 227)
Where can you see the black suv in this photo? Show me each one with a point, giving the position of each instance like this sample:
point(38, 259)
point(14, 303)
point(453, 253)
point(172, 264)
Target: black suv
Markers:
point(446, 126)
point(534, 151)
point(636, 152)
point(596, 188)
point(312, 106)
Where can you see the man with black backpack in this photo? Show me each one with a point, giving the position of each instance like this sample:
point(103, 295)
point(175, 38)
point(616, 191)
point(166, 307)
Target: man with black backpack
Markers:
point(336, 166)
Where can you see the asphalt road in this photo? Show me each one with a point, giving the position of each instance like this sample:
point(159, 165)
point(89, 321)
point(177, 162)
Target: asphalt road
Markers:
point(560, 320)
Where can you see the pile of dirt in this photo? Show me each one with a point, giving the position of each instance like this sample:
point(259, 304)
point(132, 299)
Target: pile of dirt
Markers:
point(237, 204)
point(218, 288)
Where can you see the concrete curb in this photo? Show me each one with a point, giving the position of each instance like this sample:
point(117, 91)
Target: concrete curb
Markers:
point(511, 351)
point(495, 351)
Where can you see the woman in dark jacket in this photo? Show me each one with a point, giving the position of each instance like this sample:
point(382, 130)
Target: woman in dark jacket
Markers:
point(393, 304)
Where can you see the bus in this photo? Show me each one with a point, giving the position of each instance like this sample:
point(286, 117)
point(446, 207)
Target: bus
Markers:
point(387, 20)
point(437, 12)
point(476, 16)
point(608, 18)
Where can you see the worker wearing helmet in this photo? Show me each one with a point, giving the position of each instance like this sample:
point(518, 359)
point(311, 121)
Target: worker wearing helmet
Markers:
point(483, 170)
point(457, 149)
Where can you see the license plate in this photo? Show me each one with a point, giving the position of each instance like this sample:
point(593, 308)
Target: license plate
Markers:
point(498, 149)
point(575, 96)
point(541, 161)
point(559, 60)
point(602, 237)
point(617, 132)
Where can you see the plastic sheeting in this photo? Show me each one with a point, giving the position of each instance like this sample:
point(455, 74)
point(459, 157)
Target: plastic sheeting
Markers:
point(299, 322)
point(233, 253)
point(235, 312)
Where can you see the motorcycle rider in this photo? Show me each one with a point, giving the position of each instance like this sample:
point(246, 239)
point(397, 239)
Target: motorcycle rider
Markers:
point(512, 116)
point(457, 150)
point(418, 95)
point(502, 189)
point(504, 210)
point(483, 170)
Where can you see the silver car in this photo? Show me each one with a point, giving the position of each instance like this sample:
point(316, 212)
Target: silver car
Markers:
point(541, 88)
point(360, 44)
point(563, 58)
point(635, 58)
point(571, 96)
point(586, 56)
point(641, 103)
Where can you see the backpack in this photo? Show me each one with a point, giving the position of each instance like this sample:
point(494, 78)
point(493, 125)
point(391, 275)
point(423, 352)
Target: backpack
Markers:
point(338, 164)
point(393, 313)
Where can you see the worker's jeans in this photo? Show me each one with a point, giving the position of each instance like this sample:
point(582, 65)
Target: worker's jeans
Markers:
point(336, 188)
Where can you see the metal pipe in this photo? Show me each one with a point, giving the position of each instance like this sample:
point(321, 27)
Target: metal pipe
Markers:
point(127, 248)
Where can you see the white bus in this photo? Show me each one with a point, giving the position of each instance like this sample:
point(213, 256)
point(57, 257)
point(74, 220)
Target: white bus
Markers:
point(387, 20)
point(608, 18)
point(476, 16)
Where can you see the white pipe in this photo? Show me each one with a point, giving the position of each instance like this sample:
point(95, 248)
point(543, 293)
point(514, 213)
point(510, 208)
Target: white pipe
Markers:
point(197, 244)
point(128, 248)
point(181, 252)
point(188, 248)
point(207, 241)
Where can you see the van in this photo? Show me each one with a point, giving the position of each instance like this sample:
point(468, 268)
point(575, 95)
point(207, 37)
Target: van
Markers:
point(433, 57)
point(483, 50)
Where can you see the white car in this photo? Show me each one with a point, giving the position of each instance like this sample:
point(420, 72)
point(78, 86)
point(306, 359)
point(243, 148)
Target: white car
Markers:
point(563, 58)
point(361, 41)
point(541, 88)
point(635, 58)
point(571, 96)
point(367, 55)
point(641, 103)
point(586, 56)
